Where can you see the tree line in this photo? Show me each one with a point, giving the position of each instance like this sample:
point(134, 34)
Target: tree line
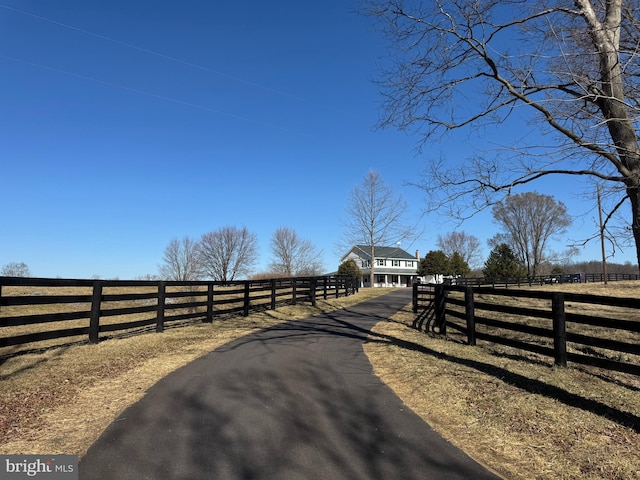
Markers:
point(528, 222)
point(231, 253)
point(503, 263)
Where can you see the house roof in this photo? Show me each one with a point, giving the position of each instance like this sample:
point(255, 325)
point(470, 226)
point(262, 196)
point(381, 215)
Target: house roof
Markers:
point(364, 251)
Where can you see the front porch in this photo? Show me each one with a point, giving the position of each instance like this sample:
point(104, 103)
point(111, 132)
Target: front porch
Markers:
point(386, 280)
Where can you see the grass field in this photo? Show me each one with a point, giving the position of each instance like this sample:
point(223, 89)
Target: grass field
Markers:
point(69, 299)
point(512, 410)
point(620, 289)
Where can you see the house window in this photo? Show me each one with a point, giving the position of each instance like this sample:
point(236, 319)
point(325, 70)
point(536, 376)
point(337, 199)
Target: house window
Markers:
point(395, 263)
point(380, 262)
point(382, 278)
point(395, 279)
point(366, 263)
point(408, 263)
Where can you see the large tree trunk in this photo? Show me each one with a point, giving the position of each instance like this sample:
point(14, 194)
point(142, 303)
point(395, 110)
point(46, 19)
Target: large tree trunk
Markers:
point(634, 196)
point(371, 273)
point(611, 101)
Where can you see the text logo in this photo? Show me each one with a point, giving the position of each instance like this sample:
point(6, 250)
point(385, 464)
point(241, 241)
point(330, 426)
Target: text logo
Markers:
point(45, 467)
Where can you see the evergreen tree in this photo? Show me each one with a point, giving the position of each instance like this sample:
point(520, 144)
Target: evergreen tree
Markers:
point(457, 265)
point(350, 268)
point(503, 263)
point(434, 263)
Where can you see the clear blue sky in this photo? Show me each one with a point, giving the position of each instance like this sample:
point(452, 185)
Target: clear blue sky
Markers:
point(127, 123)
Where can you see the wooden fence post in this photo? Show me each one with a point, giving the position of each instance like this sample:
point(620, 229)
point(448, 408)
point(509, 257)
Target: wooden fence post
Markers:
point(94, 320)
point(414, 297)
point(559, 329)
point(324, 285)
point(209, 303)
point(312, 289)
point(246, 299)
point(162, 294)
point(273, 294)
point(337, 287)
point(294, 298)
point(440, 306)
point(471, 316)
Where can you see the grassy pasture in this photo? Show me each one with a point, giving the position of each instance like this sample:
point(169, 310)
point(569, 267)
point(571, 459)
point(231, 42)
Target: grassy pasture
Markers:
point(80, 301)
point(618, 289)
point(512, 410)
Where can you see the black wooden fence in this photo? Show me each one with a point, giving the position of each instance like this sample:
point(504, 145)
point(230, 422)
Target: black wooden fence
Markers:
point(608, 338)
point(39, 309)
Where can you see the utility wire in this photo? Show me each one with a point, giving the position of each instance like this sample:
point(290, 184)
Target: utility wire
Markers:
point(148, 94)
point(152, 52)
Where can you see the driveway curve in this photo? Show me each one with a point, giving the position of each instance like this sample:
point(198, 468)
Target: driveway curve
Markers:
point(296, 401)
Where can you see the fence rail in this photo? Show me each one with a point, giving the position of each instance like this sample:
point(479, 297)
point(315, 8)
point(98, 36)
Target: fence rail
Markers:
point(552, 324)
point(40, 309)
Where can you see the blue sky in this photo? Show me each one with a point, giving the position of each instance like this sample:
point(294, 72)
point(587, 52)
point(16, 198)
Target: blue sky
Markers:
point(128, 123)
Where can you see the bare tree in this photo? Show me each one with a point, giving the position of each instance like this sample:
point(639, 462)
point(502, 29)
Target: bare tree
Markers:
point(228, 253)
point(374, 216)
point(180, 261)
point(294, 256)
point(149, 277)
point(571, 68)
point(529, 221)
point(15, 269)
point(464, 244)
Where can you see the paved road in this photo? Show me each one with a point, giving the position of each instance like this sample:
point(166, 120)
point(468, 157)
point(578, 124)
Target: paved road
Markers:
point(297, 401)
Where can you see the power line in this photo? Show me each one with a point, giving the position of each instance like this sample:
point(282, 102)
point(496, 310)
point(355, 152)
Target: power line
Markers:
point(152, 52)
point(148, 94)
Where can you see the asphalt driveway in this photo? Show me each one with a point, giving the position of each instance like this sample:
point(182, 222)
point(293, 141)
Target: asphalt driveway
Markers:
point(297, 401)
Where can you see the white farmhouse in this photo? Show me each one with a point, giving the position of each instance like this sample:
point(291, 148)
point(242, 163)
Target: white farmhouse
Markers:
point(393, 267)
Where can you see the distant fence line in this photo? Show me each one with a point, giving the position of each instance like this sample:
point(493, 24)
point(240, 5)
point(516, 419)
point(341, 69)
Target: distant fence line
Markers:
point(589, 334)
point(85, 305)
point(544, 279)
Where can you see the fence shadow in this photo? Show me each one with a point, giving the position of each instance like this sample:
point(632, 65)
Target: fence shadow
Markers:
point(530, 385)
point(64, 346)
point(424, 319)
point(349, 323)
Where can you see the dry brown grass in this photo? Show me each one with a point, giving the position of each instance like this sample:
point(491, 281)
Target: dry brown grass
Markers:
point(60, 399)
point(512, 411)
